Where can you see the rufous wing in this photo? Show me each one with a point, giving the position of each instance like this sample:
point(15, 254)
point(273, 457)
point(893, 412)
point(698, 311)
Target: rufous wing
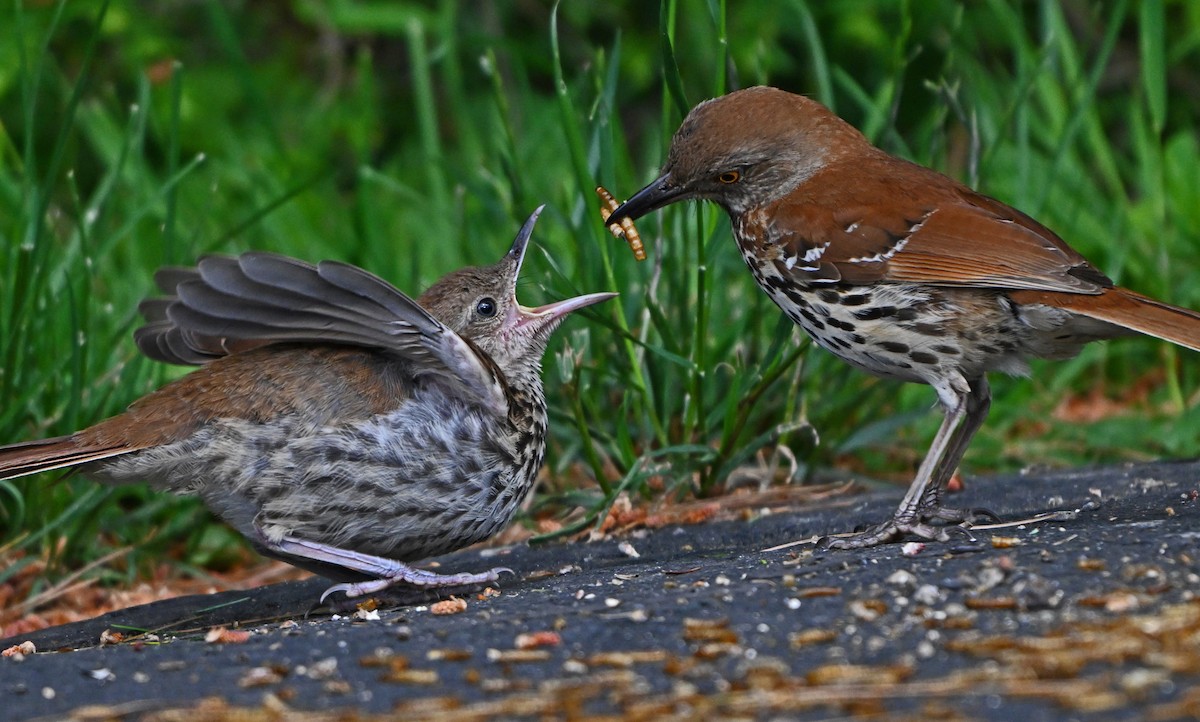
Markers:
point(907, 224)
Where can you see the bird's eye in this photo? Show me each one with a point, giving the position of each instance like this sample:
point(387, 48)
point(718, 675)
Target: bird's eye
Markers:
point(729, 176)
point(486, 307)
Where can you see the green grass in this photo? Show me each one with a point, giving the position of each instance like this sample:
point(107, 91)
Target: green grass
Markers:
point(412, 140)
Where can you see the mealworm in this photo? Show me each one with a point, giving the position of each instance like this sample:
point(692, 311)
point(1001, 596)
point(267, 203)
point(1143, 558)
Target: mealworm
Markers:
point(626, 228)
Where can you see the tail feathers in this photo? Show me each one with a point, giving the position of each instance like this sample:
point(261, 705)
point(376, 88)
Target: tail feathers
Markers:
point(33, 457)
point(1128, 309)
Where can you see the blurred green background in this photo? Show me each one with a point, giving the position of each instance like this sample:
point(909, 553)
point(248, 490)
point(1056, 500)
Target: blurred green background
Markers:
point(413, 138)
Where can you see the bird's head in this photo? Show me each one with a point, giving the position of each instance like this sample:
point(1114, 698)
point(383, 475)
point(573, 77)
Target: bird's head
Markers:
point(480, 304)
point(745, 149)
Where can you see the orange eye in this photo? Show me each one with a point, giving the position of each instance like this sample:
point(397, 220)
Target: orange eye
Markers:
point(730, 176)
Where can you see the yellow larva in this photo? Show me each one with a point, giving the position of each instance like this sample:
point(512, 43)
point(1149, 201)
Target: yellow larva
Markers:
point(626, 227)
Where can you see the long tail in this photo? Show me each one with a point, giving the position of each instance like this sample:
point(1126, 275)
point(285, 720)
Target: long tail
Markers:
point(32, 457)
point(1128, 309)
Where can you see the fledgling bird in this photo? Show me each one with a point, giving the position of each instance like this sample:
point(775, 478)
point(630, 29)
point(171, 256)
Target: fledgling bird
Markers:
point(336, 423)
point(895, 268)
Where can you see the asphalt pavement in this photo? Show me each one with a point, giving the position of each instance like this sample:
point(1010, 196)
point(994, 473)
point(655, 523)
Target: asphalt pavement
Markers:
point(1093, 613)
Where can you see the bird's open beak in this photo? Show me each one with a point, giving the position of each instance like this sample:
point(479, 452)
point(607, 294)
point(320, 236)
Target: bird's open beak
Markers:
point(551, 314)
point(547, 317)
point(660, 193)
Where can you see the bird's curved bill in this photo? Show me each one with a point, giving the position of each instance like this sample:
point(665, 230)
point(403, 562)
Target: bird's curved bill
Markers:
point(661, 192)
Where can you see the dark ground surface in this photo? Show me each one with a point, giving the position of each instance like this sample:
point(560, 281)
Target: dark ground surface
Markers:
point(1092, 616)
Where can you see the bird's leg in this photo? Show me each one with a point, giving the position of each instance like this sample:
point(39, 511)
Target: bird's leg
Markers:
point(978, 401)
point(908, 518)
point(386, 572)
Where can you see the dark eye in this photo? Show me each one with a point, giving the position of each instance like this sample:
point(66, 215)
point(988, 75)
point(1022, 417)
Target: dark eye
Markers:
point(730, 176)
point(486, 307)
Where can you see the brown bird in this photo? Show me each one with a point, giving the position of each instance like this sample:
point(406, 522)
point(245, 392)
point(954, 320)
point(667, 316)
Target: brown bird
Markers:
point(336, 423)
point(895, 268)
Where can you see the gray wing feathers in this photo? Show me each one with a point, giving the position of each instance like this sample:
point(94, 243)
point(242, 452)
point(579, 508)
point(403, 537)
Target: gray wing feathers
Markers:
point(227, 304)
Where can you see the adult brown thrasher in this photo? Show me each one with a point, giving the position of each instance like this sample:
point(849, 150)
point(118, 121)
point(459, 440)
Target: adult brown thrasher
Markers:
point(895, 268)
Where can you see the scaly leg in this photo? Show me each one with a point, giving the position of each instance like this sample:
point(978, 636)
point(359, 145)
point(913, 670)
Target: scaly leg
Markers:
point(978, 401)
point(965, 408)
point(386, 572)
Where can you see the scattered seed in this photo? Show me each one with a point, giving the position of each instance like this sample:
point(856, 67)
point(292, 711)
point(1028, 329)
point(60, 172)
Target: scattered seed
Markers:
point(531, 640)
point(574, 666)
point(453, 605)
point(448, 655)
point(927, 594)
point(517, 655)
point(991, 603)
point(868, 610)
point(411, 676)
point(624, 660)
point(857, 674)
point(818, 592)
point(321, 669)
point(708, 630)
point(1121, 602)
point(385, 658)
point(811, 636)
point(714, 650)
point(104, 674)
point(221, 635)
point(19, 651)
point(259, 677)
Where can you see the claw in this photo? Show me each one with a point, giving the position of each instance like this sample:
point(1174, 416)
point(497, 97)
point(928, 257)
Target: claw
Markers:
point(980, 513)
point(959, 529)
point(337, 588)
point(957, 516)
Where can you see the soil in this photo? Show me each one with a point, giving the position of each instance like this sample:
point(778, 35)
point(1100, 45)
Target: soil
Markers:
point(1093, 613)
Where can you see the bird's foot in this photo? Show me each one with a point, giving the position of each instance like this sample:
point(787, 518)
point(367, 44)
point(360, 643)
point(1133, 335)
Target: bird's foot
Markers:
point(929, 524)
point(399, 573)
point(891, 530)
